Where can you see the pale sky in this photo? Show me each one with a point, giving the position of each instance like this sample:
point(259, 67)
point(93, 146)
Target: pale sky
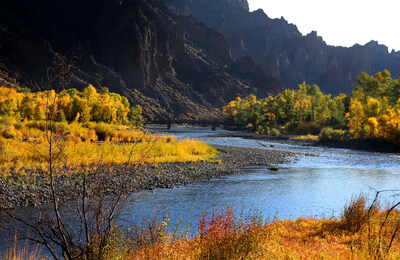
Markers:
point(340, 22)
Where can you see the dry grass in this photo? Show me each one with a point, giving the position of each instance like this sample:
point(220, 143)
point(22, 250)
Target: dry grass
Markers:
point(362, 233)
point(20, 156)
point(24, 253)
point(358, 235)
point(306, 137)
point(227, 237)
point(24, 148)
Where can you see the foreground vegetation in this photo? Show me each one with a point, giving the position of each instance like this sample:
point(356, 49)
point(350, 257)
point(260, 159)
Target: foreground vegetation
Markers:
point(371, 111)
point(362, 233)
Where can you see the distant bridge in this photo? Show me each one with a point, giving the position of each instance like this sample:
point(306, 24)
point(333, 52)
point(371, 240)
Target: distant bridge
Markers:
point(213, 124)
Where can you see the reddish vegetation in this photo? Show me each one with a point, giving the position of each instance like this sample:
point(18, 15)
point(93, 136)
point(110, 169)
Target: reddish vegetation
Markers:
point(362, 233)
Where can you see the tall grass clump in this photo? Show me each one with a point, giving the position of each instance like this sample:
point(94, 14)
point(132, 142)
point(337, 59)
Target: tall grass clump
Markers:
point(225, 236)
point(16, 252)
point(221, 235)
point(355, 214)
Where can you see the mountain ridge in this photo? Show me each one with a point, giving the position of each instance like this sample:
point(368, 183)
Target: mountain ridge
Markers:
point(184, 61)
point(279, 48)
point(173, 66)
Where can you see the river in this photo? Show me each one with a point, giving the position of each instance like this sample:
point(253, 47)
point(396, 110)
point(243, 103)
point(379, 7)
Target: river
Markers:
point(317, 183)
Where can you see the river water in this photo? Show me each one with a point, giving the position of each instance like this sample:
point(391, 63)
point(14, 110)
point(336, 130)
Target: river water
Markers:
point(318, 183)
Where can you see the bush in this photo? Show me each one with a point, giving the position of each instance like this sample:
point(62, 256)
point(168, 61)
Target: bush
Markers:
point(11, 132)
point(77, 132)
point(291, 127)
point(328, 133)
point(225, 236)
point(308, 128)
point(249, 126)
point(262, 130)
point(274, 132)
point(102, 130)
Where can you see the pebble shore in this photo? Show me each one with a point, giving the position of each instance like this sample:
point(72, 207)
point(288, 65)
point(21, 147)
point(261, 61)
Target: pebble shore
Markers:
point(371, 145)
point(16, 193)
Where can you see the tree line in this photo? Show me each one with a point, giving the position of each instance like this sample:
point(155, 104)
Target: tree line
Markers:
point(70, 105)
point(371, 111)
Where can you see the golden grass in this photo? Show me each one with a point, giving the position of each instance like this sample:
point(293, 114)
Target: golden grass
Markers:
point(304, 238)
point(227, 236)
point(158, 151)
point(23, 155)
point(306, 137)
point(24, 147)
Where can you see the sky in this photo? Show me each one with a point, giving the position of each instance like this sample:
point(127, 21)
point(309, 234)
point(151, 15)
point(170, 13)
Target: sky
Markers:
point(340, 22)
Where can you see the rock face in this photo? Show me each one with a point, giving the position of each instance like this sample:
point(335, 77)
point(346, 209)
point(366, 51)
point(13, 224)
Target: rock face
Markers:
point(172, 65)
point(283, 52)
point(179, 62)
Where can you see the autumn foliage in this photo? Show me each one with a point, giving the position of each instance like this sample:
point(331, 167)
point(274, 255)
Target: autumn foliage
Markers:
point(304, 110)
point(91, 127)
point(371, 111)
point(363, 232)
point(68, 105)
point(374, 110)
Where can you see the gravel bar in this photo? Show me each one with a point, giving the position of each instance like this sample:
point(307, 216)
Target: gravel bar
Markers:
point(371, 145)
point(15, 192)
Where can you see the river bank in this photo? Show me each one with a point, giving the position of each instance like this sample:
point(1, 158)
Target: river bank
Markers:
point(20, 192)
point(370, 145)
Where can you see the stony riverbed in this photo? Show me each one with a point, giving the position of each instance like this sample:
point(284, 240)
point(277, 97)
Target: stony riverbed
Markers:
point(17, 192)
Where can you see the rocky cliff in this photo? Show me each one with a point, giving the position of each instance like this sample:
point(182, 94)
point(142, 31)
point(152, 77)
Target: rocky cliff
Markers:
point(283, 52)
point(172, 65)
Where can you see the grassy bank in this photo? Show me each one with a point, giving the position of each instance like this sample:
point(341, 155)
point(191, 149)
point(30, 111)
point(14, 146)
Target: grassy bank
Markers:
point(25, 149)
point(363, 232)
point(71, 129)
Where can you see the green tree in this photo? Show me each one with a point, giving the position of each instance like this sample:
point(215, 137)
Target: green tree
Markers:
point(136, 118)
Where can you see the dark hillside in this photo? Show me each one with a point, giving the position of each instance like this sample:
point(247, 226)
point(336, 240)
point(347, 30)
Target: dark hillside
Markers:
point(283, 52)
point(172, 65)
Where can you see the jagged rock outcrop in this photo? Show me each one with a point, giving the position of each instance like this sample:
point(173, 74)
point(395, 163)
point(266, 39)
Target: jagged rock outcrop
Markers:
point(283, 52)
point(172, 65)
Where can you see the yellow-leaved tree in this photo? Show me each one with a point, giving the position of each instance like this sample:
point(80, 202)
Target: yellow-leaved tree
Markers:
point(356, 117)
